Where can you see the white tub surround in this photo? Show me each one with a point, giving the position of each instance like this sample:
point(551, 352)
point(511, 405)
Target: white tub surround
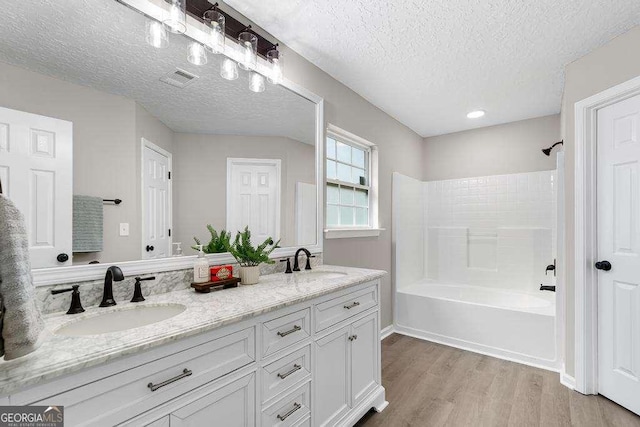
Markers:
point(470, 258)
point(319, 334)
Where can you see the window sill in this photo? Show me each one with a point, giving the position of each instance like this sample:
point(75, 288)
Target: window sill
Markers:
point(346, 233)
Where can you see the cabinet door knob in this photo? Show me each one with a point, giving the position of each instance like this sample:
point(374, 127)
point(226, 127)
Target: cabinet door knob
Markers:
point(149, 248)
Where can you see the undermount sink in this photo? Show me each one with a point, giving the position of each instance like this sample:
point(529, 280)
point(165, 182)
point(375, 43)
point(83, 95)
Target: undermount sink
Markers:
point(322, 274)
point(120, 320)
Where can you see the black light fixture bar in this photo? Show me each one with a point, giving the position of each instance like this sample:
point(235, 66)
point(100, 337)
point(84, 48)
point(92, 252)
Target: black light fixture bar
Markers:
point(233, 27)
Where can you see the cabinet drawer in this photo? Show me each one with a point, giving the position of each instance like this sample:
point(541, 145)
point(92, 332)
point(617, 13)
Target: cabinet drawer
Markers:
point(291, 410)
point(278, 376)
point(121, 396)
point(285, 331)
point(338, 309)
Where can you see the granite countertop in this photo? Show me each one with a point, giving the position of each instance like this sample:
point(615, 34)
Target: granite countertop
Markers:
point(59, 355)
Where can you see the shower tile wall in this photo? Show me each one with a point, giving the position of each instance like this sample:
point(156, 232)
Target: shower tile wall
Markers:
point(494, 231)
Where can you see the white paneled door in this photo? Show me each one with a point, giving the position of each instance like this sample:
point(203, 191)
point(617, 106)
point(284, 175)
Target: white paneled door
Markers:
point(619, 253)
point(253, 197)
point(36, 155)
point(156, 207)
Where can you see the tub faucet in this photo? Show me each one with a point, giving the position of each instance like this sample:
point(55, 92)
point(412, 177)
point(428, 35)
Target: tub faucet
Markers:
point(296, 265)
point(113, 273)
point(551, 267)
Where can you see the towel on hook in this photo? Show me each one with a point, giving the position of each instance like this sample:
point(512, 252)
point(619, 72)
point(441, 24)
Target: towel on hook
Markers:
point(88, 224)
point(20, 319)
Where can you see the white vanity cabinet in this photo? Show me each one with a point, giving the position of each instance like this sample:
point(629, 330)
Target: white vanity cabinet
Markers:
point(313, 363)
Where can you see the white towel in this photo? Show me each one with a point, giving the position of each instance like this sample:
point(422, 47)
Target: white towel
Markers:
point(20, 320)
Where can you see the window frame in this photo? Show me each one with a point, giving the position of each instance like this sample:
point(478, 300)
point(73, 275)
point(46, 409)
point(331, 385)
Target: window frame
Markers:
point(371, 168)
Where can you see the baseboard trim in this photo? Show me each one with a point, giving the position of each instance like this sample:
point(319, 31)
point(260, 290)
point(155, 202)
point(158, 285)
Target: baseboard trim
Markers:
point(386, 332)
point(567, 380)
point(548, 365)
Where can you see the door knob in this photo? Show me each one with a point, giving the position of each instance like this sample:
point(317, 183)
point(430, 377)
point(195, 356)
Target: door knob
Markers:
point(603, 265)
point(62, 257)
point(149, 248)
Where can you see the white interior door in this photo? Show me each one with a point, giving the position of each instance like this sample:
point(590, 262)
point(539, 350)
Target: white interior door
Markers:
point(36, 163)
point(619, 244)
point(253, 197)
point(156, 209)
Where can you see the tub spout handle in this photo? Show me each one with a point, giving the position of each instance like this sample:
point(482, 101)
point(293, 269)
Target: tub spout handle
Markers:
point(547, 288)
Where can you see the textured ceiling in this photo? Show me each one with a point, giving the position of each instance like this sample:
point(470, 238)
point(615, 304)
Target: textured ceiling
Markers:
point(72, 40)
point(428, 63)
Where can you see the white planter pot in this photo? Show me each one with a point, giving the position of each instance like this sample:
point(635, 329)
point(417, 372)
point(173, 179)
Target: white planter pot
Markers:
point(250, 275)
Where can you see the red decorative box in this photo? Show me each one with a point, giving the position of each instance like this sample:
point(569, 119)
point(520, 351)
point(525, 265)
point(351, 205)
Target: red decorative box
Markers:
point(221, 272)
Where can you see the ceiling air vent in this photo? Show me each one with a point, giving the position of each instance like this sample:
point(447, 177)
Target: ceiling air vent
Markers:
point(179, 78)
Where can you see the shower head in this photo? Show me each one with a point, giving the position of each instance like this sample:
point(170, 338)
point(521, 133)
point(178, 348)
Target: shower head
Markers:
point(547, 151)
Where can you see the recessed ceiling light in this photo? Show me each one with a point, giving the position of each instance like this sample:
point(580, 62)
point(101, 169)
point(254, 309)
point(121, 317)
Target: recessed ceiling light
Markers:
point(475, 114)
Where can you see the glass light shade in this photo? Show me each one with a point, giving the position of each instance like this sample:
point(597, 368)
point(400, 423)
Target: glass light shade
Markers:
point(229, 69)
point(175, 17)
point(249, 47)
point(256, 82)
point(215, 26)
point(156, 34)
point(276, 66)
point(196, 54)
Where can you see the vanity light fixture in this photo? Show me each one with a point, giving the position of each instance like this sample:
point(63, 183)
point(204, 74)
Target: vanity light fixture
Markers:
point(276, 66)
point(229, 69)
point(215, 22)
point(196, 54)
point(475, 114)
point(156, 34)
point(249, 46)
point(175, 17)
point(256, 82)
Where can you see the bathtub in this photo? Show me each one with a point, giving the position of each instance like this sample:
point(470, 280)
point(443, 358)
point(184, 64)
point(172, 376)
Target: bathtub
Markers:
point(511, 325)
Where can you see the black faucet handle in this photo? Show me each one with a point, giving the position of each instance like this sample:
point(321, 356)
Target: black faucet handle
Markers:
point(76, 305)
point(137, 291)
point(288, 261)
point(308, 266)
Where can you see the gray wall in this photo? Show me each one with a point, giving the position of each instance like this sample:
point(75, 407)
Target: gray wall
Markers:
point(399, 150)
point(612, 64)
point(494, 150)
point(200, 165)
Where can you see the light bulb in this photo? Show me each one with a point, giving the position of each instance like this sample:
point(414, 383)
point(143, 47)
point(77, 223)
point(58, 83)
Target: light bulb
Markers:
point(196, 54)
point(475, 114)
point(215, 22)
point(156, 34)
point(256, 82)
point(249, 46)
point(229, 69)
point(274, 57)
point(175, 19)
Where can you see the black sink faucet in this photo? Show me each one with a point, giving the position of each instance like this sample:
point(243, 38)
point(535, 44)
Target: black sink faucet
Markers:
point(113, 273)
point(296, 265)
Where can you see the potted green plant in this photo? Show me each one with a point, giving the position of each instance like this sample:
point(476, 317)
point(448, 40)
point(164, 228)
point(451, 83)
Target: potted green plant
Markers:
point(250, 257)
point(217, 244)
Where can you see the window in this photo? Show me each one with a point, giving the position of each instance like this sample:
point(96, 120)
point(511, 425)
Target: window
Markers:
point(351, 170)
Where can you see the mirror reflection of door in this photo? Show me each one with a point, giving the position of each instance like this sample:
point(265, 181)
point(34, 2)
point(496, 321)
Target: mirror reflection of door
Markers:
point(35, 170)
point(156, 206)
point(253, 197)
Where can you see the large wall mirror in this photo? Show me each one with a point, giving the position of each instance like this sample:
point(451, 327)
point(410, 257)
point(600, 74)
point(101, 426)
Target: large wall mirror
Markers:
point(116, 151)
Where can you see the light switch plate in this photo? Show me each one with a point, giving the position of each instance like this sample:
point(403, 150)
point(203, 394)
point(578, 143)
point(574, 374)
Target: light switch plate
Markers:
point(124, 229)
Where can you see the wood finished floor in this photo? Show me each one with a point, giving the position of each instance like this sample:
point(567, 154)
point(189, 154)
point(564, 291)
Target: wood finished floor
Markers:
point(430, 384)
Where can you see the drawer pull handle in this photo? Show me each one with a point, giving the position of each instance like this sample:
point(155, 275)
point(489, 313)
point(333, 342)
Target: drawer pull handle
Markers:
point(353, 337)
point(295, 368)
point(349, 307)
point(185, 373)
point(295, 328)
point(296, 406)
